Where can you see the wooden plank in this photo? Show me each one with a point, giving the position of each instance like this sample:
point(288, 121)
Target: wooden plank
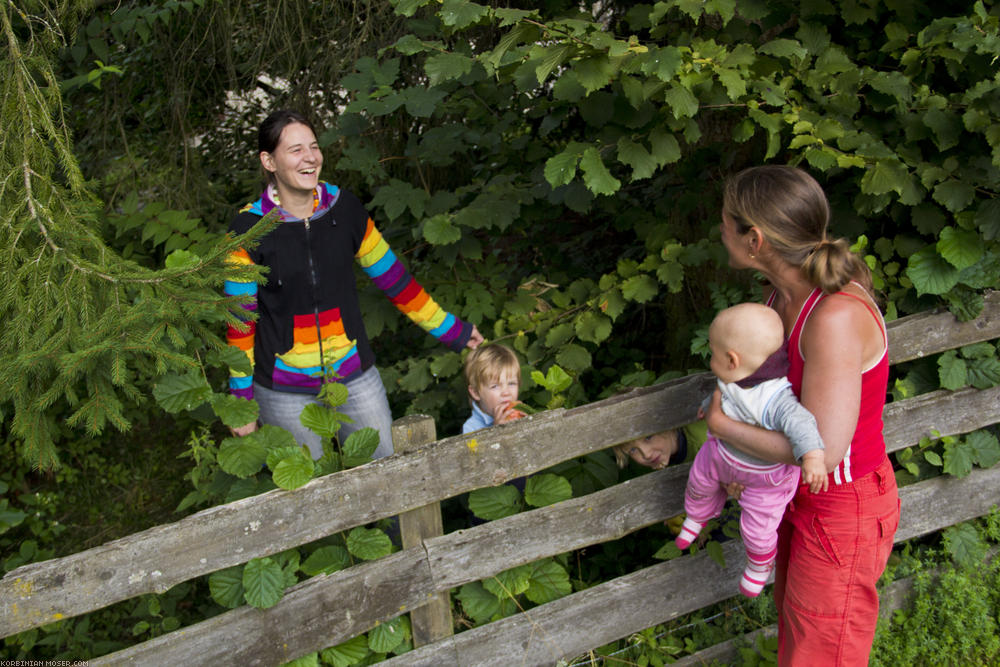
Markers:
point(924, 334)
point(948, 412)
point(432, 621)
point(310, 617)
point(582, 621)
point(161, 557)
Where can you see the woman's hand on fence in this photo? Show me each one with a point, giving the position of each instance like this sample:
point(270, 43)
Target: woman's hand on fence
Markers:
point(240, 431)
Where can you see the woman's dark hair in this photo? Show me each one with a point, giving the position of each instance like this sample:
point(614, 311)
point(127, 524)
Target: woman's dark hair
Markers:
point(269, 133)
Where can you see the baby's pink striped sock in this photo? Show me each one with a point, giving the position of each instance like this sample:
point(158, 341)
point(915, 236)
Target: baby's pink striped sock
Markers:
point(755, 577)
point(689, 531)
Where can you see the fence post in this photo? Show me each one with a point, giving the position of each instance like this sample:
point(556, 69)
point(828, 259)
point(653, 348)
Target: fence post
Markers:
point(432, 621)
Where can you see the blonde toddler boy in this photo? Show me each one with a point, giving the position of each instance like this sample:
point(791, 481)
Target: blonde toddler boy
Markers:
point(493, 374)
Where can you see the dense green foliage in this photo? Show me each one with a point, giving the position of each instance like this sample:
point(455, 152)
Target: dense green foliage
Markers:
point(550, 171)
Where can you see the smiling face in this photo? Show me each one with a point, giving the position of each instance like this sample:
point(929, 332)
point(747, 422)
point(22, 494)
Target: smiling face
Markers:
point(295, 162)
point(497, 392)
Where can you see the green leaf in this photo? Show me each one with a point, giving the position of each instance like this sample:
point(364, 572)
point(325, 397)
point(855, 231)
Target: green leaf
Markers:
point(310, 660)
point(226, 587)
point(348, 653)
point(594, 73)
point(663, 63)
point(933, 458)
point(665, 149)
point(896, 84)
point(368, 543)
point(951, 371)
point(273, 437)
point(385, 637)
point(326, 560)
point(592, 327)
point(554, 56)
point(546, 489)
point(181, 259)
point(495, 502)
point(458, 14)
point(509, 583)
point(293, 471)
point(558, 335)
point(958, 457)
point(263, 583)
point(361, 444)
point(174, 393)
point(233, 410)
point(636, 156)
point(439, 230)
point(397, 196)
point(596, 176)
point(275, 454)
point(640, 288)
point(681, 101)
point(574, 357)
point(547, 581)
point(947, 127)
point(985, 448)
point(556, 380)
point(784, 48)
point(988, 219)
point(242, 457)
point(964, 544)
point(408, 7)
point(480, 604)
point(667, 551)
point(983, 373)
point(333, 394)
point(561, 168)
point(960, 247)
point(886, 176)
point(930, 273)
point(321, 420)
point(954, 195)
point(446, 66)
point(714, 550)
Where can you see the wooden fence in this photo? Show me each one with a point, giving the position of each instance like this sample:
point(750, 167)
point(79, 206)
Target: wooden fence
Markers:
point(328, 609)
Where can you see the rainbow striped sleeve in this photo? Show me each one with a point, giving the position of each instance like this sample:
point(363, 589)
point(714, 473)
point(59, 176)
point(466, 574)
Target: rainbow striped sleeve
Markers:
point(242, 337)
point(389, 274)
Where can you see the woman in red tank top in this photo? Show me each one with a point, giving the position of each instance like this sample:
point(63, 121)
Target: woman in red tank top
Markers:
point(833, 545)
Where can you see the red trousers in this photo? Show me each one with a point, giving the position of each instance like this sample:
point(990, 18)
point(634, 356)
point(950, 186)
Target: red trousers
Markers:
point(832, 549)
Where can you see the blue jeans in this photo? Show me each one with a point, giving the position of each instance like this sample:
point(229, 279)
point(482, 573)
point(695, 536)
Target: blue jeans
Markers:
point(366, 404)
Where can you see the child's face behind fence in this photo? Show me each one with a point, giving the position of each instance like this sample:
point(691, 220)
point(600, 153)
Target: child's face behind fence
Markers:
point(499, 392)
point(653, 451)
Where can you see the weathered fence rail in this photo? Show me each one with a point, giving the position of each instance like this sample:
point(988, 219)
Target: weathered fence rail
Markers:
point(326, 610)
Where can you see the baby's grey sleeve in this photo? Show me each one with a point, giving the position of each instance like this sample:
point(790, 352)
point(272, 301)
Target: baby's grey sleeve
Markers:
point(786, 414)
